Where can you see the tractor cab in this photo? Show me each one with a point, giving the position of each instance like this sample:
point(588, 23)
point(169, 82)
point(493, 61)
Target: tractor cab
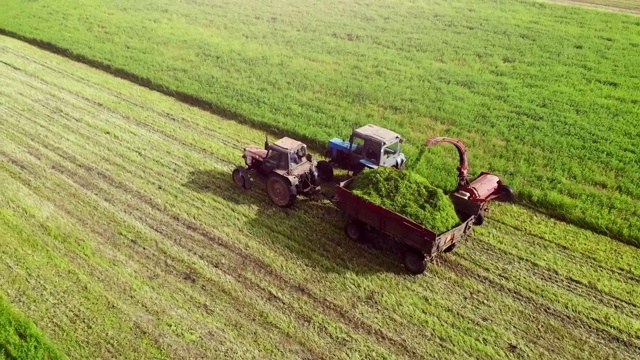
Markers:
point(375, 146)
point(287, 156)
point(369, 146)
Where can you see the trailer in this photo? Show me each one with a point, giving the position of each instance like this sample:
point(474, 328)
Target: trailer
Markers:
point(417, 243)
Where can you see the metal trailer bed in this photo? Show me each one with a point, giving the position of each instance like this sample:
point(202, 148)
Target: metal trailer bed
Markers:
point(418, 243)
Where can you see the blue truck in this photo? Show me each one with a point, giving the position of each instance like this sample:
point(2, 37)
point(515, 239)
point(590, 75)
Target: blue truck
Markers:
point(369, 146)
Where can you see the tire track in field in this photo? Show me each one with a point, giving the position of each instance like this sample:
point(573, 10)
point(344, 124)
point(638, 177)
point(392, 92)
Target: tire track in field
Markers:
point(104, 278)
point(77, 313)
point(562, 281)
point(531, 338)
point(570, 285)
point(160, 227)
point(526, 297)
point(184, 122)
point(569, 253)
point(569, 281)
point(603, 339)
point(334, 310)
point(45, 87)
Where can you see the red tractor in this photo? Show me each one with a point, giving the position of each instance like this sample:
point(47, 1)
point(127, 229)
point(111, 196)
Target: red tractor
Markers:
point(481, 190)
point(288, 167)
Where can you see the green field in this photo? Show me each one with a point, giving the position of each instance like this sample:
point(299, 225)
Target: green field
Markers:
point(20, 339)
point(125, 237)
point(545, 95)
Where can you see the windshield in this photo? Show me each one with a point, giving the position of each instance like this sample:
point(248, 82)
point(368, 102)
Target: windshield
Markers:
point(298, 157)
point(392, 149)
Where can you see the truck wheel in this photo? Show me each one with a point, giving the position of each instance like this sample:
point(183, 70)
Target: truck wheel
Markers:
point(479, 218)
point(415, 262)
point(354, 230)
point(280, 190)
point(325, 170)
point(241, 177)
point(401, 166)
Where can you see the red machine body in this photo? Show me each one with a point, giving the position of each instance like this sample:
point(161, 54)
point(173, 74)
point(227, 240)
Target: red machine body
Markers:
point(482, 189)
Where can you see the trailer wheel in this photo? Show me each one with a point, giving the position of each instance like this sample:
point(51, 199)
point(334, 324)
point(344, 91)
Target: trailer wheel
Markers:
point(415, 262)
point(450, 248)
point(354, 230)
point(479, 219)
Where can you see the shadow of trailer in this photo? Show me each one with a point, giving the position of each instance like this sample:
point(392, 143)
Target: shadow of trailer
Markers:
point(416, 243)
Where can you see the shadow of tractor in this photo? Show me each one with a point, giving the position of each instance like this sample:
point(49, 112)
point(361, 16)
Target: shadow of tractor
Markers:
point(312, 229)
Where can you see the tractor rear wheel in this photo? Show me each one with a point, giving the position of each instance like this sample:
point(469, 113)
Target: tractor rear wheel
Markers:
point(280, 190)
point(415, 262)
point(325, 170)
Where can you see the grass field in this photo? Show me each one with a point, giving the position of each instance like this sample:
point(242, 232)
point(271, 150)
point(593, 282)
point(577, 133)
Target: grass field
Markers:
point(124, 236)
point(545, 95)
point(20, 339)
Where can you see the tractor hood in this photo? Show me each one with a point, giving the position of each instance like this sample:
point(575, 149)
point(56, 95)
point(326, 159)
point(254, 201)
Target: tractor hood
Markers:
point(337, 143)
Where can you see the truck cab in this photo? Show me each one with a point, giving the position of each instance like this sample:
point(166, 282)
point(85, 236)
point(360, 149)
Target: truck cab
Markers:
point(369, 146)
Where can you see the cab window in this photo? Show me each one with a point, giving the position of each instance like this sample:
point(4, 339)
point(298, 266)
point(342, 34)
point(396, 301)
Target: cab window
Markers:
point(392, 149)
point(359, 143)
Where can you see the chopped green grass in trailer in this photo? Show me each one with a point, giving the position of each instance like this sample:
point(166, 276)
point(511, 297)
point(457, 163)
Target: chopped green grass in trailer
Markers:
point(408, 194)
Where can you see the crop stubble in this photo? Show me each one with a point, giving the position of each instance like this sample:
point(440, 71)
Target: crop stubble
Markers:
point(199, 266)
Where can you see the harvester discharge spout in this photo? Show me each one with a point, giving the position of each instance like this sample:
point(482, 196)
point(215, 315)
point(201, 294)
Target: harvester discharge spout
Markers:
point(463, 167)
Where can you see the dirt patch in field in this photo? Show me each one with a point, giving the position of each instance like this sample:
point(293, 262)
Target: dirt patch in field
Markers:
point(602, 5)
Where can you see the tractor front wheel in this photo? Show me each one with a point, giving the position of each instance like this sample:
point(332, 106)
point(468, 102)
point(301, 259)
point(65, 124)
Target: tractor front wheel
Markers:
point(241, 177)
point(479, 218)
point(280, 190)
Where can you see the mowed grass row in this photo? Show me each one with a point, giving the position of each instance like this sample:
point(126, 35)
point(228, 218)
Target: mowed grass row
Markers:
point(19, 337)
point(127, 236)
point(544, 95)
